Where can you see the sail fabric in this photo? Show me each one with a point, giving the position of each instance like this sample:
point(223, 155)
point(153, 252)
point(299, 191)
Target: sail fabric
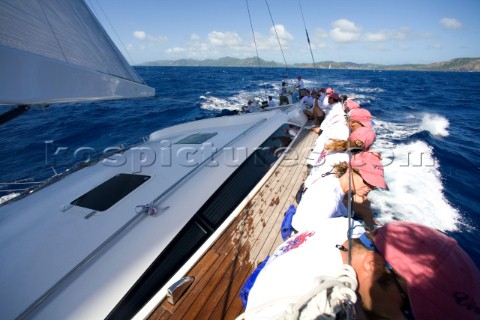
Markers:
point(62, 32)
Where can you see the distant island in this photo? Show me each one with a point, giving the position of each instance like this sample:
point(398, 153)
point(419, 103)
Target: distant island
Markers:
point(458, 64)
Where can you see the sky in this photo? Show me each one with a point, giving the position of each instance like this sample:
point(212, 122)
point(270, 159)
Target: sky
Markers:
point(367, 31)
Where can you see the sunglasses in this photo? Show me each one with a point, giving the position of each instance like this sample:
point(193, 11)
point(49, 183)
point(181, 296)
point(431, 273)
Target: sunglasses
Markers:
point(406, 307)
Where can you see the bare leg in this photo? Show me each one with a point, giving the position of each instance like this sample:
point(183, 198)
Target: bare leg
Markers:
point(309, 114)
point(318, 115)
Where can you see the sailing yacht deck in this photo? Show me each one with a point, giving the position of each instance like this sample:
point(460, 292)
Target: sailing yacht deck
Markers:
point(254, 234)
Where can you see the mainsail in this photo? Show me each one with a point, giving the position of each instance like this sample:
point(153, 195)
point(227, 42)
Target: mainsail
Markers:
point(57, 51)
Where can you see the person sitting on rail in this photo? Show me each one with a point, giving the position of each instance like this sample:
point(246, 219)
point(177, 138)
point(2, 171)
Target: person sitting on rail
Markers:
point(315, 113)
point(323, 197)
point(403, 270)
point(271, 103)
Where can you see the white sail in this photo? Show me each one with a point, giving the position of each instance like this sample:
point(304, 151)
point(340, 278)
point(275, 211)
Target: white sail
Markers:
point(57, 51)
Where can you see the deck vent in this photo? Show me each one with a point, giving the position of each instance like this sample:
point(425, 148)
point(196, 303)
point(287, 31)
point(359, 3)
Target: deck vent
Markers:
point(197, 138)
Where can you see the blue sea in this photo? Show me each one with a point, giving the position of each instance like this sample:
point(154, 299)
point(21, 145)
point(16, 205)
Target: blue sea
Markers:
point(426, 124)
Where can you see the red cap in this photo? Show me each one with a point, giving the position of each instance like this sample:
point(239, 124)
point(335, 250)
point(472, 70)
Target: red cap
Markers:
point(362, 115)
point(370, 167)
point(334, 96)
point(442, 280)
point(366, 135)
point(352, 104)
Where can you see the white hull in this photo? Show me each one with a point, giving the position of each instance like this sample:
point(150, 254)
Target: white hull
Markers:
point(65, 261)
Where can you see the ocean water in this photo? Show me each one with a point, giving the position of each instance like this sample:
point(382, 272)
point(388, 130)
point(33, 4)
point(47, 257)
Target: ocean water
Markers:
point(426, 125)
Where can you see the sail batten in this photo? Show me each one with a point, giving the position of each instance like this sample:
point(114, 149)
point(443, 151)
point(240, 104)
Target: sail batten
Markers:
point(60, 42)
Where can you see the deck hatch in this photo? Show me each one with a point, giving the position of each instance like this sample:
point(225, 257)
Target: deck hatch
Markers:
point(197, 138)
point(110, 192)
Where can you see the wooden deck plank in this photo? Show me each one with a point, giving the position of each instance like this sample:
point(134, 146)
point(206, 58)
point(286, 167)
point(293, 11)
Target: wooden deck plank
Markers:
point(207, 262)
point(293, 176)
point(296, 177)
point(250, 268)
point(209, 282)
point(253, 235)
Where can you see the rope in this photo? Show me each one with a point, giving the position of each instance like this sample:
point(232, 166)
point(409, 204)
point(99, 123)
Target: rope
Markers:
point(150, 209)
point(113, 29)
point(255, 42)
point(349, 194)
point(332, 296)
point(308, 38)
point(278, 39)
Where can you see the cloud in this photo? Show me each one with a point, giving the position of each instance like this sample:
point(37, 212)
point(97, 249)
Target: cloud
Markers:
point(319, 38)
point(282, 33)
point(344, 30)
point(219, 44)
point(194, 37)
point(175, 50)
point(216, 44)
point(435, 46)
point(378, 47)
point(269, 42)
point(376, 36)
point(387, 35)
point(224, 39)
point(450, 23)
point(142, 35)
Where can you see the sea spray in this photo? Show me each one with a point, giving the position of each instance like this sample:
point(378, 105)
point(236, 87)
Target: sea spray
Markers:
point(435, 124)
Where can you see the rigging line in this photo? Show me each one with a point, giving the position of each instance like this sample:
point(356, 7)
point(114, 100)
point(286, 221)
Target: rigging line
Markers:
point(278, 38)
point(255, 42)
point(349, 196)
point(115, 32)
point(53, 32)
point(308, 38)
point(116, 35)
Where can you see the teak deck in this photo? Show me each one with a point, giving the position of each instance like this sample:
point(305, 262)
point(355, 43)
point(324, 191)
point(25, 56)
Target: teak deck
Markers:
point(250, 238)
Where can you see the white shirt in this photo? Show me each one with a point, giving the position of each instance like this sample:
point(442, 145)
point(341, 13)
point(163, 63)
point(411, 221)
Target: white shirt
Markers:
point(324, 163)
point(325, 101)
point(307, 102)
point(335, 115)
point(300, 84)
point(338, 131)
point(322, 200)
point(321, 101)
point(272, 103)
point(291, 271)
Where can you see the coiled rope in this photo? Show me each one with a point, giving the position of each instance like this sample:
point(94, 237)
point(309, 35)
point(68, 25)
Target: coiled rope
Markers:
point(332, 297)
